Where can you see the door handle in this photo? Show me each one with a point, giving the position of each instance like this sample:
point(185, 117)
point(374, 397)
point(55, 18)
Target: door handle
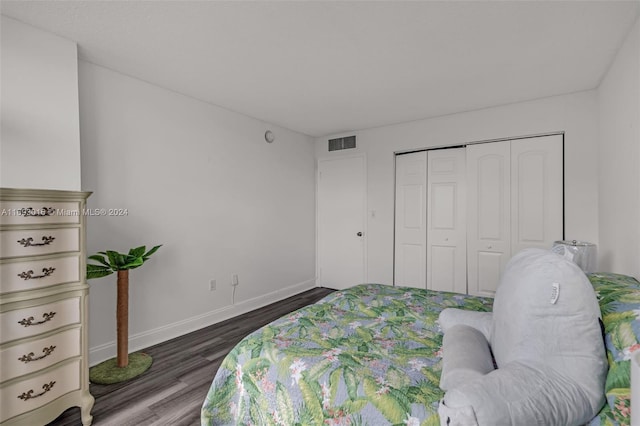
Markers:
point(359, 234)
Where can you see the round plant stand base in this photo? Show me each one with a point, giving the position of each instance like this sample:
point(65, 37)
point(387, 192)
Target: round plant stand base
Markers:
point(108, 373)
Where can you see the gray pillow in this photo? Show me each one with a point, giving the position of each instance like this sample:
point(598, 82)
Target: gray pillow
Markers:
point(465, 356)
point(521, 394)
point(546, 311)
point(481, 321)
point(547, 343)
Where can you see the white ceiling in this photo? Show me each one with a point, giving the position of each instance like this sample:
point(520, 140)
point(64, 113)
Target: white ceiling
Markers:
point(326, 67)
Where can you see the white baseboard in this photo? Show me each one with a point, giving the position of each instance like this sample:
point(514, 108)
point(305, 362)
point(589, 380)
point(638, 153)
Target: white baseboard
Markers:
point(152, 337)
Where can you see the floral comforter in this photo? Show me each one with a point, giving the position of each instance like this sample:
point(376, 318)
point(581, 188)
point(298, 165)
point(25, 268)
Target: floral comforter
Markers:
point(619, 299)
point(368, 355)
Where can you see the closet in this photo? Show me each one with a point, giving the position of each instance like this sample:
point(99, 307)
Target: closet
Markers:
point(461, 213)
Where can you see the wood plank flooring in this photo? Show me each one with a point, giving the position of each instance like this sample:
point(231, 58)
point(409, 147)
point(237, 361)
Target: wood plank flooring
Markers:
point(174, 388)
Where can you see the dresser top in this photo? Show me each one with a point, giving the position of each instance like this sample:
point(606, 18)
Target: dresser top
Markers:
point(34, 194)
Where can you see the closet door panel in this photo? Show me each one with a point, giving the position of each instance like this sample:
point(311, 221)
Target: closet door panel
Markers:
point(443, 271)
point(411, 220)
point(411, 271)
point(489, 209)
point(536, 192)
point(446, 220)
point(489, 269)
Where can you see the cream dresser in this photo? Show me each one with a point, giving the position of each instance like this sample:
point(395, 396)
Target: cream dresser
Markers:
point(43, 306)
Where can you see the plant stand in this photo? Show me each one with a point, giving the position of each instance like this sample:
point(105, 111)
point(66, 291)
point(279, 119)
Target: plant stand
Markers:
point(124, 366)
point(108, 372)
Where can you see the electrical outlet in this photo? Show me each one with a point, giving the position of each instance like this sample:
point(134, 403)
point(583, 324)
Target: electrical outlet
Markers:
point(234, 280)
point(212, 285)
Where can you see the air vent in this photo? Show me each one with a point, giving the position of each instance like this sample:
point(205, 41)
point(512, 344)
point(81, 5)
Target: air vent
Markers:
point(348, 142)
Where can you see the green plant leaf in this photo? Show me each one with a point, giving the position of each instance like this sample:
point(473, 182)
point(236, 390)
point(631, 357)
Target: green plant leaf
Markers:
point(120, 261)
point(100, 259)
point(138, 251)
point(97, 271)
point(133, 264)
point(150, 252)
point(113, 258)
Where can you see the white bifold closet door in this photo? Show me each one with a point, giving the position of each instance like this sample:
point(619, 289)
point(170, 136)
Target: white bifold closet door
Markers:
point(430, 225)
point(537, 208)
point(489, 209)
point(411, 220)
point(462, 213)
point(515, 201)
point(446, 220)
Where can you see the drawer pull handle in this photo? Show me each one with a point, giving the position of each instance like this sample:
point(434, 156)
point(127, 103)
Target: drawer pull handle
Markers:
point(44, 211)
point(28, 242)
point(29, 395)
point(32, 357)
point(29, 274)
point(29, 321)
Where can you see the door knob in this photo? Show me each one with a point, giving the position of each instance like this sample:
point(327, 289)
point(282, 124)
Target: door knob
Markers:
point(359, 234)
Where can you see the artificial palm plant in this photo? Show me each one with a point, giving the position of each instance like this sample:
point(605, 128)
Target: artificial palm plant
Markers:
point(109, 262)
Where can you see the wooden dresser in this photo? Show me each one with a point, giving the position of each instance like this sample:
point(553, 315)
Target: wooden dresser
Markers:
point(43, 306)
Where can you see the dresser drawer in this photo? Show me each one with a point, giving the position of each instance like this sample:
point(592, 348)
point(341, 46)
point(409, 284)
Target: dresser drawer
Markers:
point(34, 320)
point(33, 242)
point(34, 274)
point(28, 357)
point(39, 212)
point(35, 392)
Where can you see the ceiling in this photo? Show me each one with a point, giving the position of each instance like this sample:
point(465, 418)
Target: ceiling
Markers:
point(327, 67)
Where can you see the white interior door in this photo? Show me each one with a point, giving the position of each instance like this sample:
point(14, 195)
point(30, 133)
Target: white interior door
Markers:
point(446, 220)
point(489, 210)
point(410, 222)
point(536, 192)
point(341, 212)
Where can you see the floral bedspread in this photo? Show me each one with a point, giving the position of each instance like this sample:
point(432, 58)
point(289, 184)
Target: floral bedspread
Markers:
point(368, 355)
point(619, 298)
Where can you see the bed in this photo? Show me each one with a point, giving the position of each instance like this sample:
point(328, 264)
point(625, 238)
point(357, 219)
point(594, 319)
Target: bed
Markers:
point(371, 355)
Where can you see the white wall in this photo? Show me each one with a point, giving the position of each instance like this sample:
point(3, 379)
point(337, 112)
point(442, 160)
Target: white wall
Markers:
point(619, 153)
point(202, 181)
point(39, 136)
point(574, 114)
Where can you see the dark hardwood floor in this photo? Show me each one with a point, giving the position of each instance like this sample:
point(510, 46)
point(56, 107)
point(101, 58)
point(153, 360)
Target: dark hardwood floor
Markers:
point(174, 388)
